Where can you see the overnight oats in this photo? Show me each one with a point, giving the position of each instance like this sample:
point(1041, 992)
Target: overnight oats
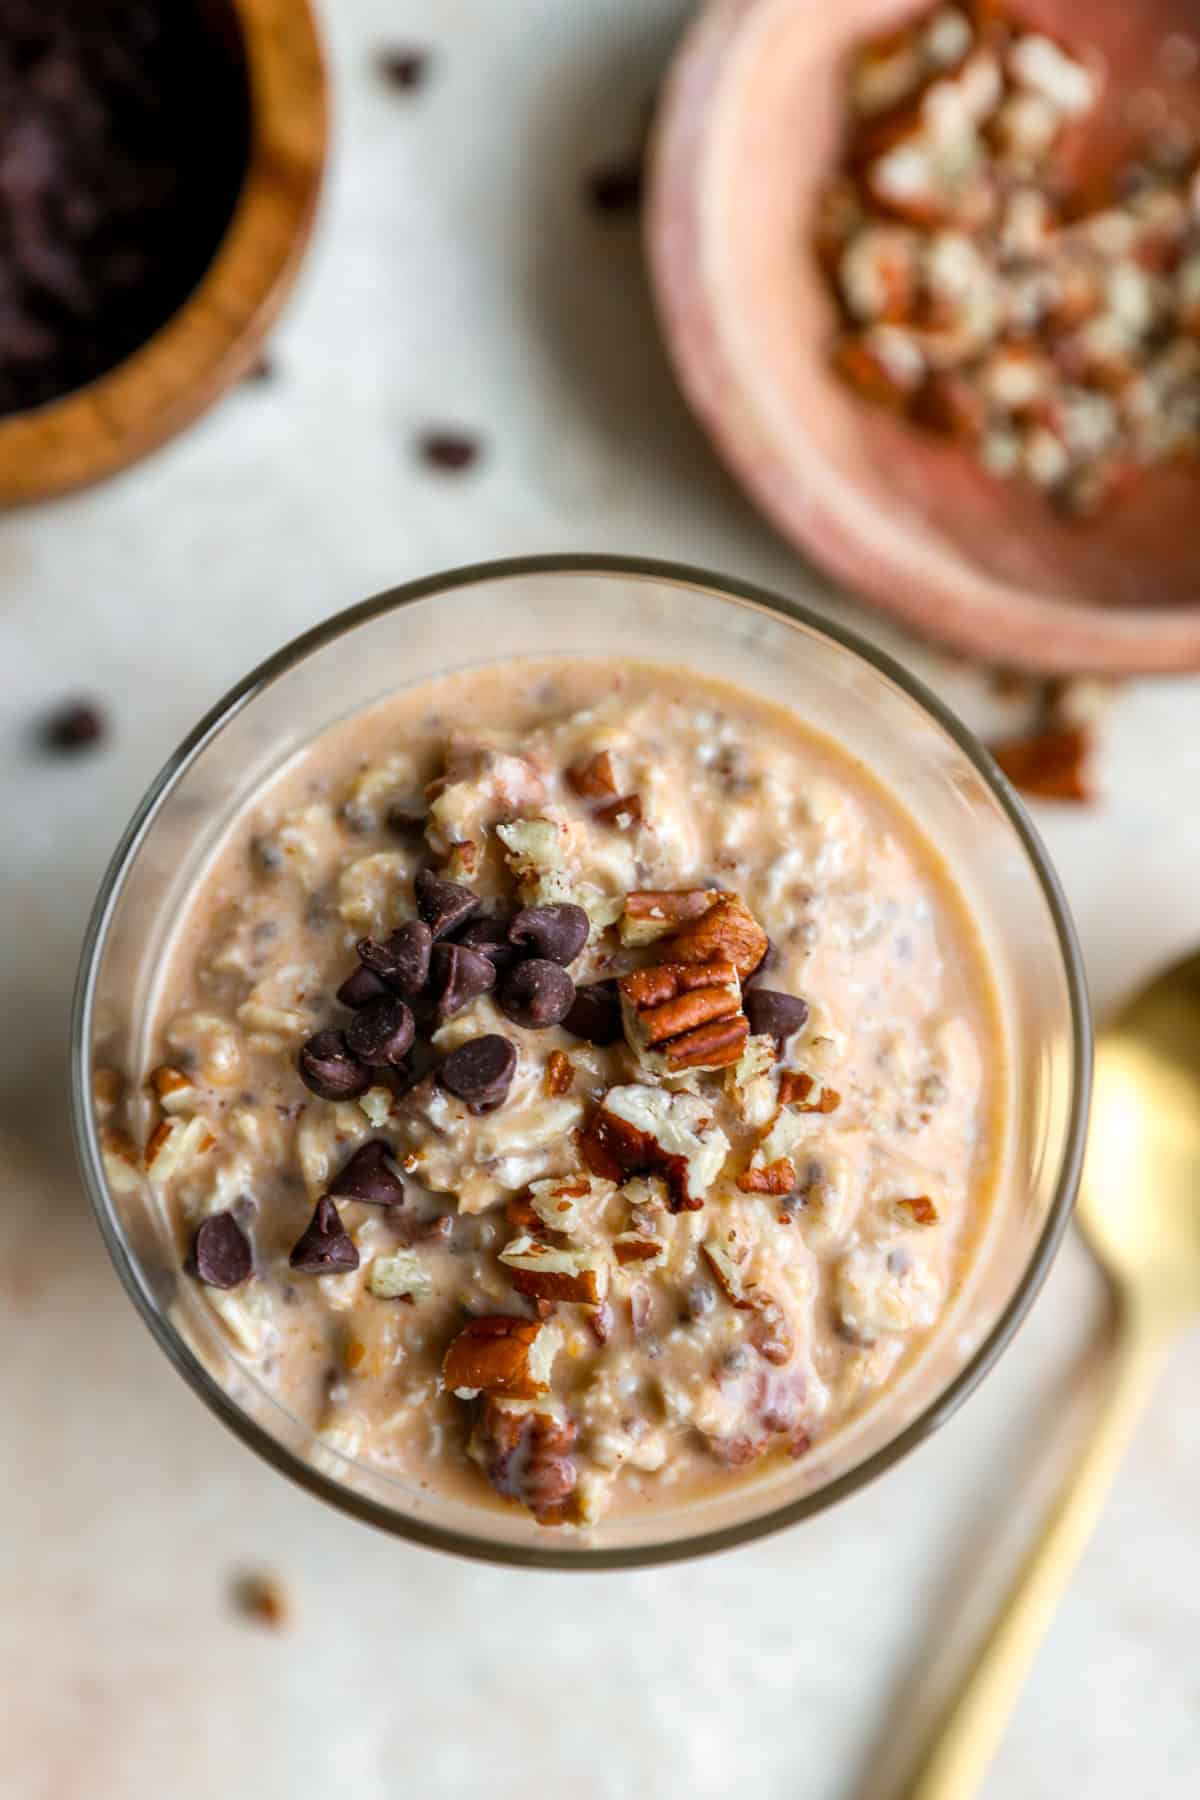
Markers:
point(574, 1086)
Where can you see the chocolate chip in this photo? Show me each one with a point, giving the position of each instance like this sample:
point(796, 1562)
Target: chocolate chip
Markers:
point(369, 1176)
point(595, 1014)
point(444, 905)
point(221, 1252)
point(536, 994)
point(328, 1068)
point(78, 725)
point(490, 938)
point(452, 451)
point(404, 69)
point(326, 1247)
point(458, 976)
point(381, 1033)
point(772, 1014)
point(557, 933)
point(402, 962)
point(617, 187)
point(480, 1071)
point(361, 988)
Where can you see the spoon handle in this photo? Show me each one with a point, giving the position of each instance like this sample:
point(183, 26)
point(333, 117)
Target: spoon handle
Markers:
point(970, 1730)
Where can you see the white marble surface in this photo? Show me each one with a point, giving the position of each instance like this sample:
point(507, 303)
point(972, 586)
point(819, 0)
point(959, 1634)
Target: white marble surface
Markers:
point(456, 279)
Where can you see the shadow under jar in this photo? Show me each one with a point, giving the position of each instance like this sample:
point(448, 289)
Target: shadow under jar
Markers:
point(591, 610)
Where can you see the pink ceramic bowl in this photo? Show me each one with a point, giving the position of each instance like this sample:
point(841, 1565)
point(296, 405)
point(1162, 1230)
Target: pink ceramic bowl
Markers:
point(747, 131)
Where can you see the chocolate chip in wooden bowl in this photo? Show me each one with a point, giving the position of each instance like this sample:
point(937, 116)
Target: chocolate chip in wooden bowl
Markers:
point(480, 1072)
point(595, 1014)
point(370, 1176)
point(490, 937)
point(772, 1014)
point(381, 1033)
point(404, 69)
point(536, 994)
point(76, 725)
point(329, 1069)
point(555, 933)
point(401, 961)
point(450, 451)
point(221, 1255)
point(325, 1247)
point(443, 905)
point(458, 975)
point(361, 988)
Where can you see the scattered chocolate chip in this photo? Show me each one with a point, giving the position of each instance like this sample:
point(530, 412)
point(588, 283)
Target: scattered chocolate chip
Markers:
point(452, 451)
point(406, 819)
point(490, 938)
point(328, 1068)
point(404, 69)
point(381, 1033)
point(221, 1252)
point(480, 1071)
point(369, 1176)
point(459, 975)
point(617, 187)
point(326, 1247)
point(557, 933)
point(536, 994)
point(595, 1013)
point(361, 988)
point(444, 905)
point(77, 725)
point(402, 962)
point(772, 1014)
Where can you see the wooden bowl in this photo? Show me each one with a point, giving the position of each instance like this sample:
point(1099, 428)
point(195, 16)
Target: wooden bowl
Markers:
point(747, 131)
point(214, 337)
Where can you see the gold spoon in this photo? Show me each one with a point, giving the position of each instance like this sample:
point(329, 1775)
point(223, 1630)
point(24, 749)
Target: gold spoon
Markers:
point(1140, 1210)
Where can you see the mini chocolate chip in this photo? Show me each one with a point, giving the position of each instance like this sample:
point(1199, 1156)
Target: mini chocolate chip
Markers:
point(381, 1033)
point(404, 69)
point(79, 725)
point(480, 1071)
point(221, 1252)
point(444, 905)
point(595, 1013)
point(557, 933)
point(326, 1247)
point(451, 451)
point(616, 188)
point(536, 994)
point(361, 988)
point(327, 1067)
point(369, 1176)
point(458, 975)
point(402, 962)
point(772, 1014)
point(406, 819)
point(490, 937)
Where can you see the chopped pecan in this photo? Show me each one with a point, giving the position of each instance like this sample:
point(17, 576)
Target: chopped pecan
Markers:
point(652, 913)
point(551, 1272)
point(632, 1247)
point(689, 1015)
point(500, 1355)
point(520, 1215)
point(776, 1178)
point(600, 1321)
point(526, 1455)
point(646, 1131)
point(594, 779)
point(1050, 765)
point(796, 1090)
point(622, 812)
point(920, 1210)
point(165, 1081)
point(560, 1073)
point(727, 932)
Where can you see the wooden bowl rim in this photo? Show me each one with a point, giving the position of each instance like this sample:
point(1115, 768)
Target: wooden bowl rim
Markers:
point(946, 598)
point(212, 339)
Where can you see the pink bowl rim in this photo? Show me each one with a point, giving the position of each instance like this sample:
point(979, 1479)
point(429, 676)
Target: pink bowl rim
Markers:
point(945, 598)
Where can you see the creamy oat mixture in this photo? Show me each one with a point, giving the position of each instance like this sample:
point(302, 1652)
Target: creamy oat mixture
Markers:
point(576, 1085)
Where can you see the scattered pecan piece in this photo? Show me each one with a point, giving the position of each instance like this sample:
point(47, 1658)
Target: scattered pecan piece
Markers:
point(632, 1247)
point(652, 913)
point(555, 1272)
point(1049, 765)
point(623, 812)
point(500, 1355)
point(776, 1178)
point(645, 1131)
point(594, 779)
point(920, 1210)
point(526, 1455)
point(796, 1089)
point(560, 1073)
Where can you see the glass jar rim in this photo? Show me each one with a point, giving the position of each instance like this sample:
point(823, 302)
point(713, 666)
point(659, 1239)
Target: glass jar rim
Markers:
point(423, 1531)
